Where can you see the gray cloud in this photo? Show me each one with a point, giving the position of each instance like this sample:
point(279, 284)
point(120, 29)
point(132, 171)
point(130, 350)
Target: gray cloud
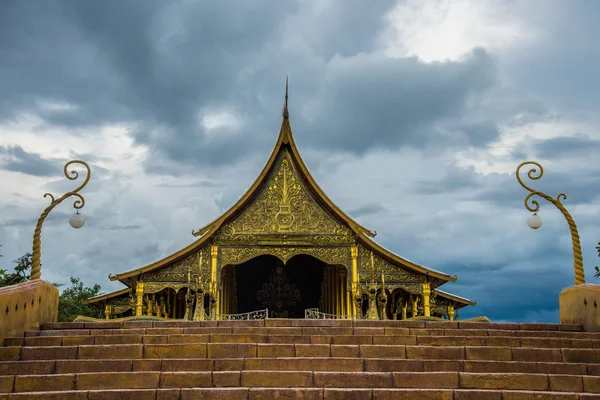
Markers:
point(406, 97)
point(123, 227)
point(159, 66)
point(55, 215)
point(14, 158)
point(200, 183)
point(455, 180)
point(567, 146)
point(368, 209)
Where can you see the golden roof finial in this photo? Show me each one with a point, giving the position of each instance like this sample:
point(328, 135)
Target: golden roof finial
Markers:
point(286, 113)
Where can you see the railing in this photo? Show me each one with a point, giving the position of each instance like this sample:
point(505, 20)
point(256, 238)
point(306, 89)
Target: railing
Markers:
point(314, 313)
point(252, 315)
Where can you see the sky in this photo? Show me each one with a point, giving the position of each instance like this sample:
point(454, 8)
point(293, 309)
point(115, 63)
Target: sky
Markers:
point(411, 115)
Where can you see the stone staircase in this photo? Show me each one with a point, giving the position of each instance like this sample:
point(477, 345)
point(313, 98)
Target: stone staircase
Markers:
point(301, 359)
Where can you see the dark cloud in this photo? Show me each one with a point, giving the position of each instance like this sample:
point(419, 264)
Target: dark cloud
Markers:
point(368, 209)
point(200, 183)
point(14, 158)
point(502, 190)
point(405, 96)
point(56, 215)
point(455, 180)
point(161, 65)
point(566, 146)
point(124, 227)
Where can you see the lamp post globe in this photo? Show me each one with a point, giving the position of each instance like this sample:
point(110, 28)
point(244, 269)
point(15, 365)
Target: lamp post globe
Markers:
point(535, 221)
point(77, 220)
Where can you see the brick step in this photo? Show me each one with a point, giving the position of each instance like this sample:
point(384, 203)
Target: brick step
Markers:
point(318, 379)
point(303, 339)
point(274, 322)
point(298, 331)
point(267, 350)
point(292, 364)
point(297, 393)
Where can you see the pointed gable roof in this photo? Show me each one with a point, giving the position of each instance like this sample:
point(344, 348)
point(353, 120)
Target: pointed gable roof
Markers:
point(285, 142)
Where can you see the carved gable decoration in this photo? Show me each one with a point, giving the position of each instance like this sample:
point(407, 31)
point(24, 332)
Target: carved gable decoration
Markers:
point(393, 273)
point(284, 212)
point(178, 271)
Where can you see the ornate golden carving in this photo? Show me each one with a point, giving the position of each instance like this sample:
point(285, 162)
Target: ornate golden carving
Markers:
point(178, 271)
point(285, 206)
point(392, 273)
point(412, 288)
point(155, 287)
point(278, 293)
point(239, 255)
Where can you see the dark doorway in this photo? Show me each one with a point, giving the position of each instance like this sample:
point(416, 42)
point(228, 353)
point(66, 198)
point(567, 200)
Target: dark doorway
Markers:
point(286, 289)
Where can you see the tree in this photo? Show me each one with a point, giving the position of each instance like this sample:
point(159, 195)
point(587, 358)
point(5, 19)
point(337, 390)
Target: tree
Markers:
point(22, 272)
point(70, 303)
point(597, 274)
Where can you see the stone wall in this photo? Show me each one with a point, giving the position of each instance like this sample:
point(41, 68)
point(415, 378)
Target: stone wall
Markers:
point(27, 306)
point(580, 304)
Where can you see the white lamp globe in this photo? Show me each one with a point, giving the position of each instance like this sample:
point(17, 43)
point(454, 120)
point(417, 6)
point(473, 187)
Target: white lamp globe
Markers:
point(535, 221)
point(76, 221)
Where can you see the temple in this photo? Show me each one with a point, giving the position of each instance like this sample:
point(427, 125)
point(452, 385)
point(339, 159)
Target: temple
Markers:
point(284, 250)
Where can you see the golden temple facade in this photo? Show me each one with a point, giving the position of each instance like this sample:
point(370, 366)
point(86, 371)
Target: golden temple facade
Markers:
point(286, 248)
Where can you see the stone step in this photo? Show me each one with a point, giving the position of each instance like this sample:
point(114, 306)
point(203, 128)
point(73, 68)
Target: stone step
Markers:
point(325, 330)
point(274, 322)
point(291, 379)
point(119, 338)
point(298, 393)
point(269, 350)
point(292, 364)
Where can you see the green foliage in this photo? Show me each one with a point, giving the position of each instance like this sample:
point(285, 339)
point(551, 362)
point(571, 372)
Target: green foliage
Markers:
point(22, 272)
point(597, 274)
point(70, 303)
point(70, 300)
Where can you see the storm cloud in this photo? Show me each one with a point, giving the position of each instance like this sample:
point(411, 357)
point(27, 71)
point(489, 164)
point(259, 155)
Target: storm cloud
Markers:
point(411, 115)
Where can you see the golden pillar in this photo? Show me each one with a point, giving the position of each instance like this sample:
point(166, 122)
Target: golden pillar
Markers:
point(414, 301)
point(349, 302)
point(340, 299)
point(214, 252)
point(139, 293)
point(404, 307)
point(234, 300)
point(343, 310)
point(224, 290)
point(336, 291)
point(149, 303)
point(355, 284)
point(107, 311)
point(426, 293)
point(451, 312)
point(174, 305)
point(328, 291)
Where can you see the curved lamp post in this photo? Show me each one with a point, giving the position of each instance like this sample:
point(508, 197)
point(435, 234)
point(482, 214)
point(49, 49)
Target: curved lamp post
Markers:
point(535, 221)
point(76, 220)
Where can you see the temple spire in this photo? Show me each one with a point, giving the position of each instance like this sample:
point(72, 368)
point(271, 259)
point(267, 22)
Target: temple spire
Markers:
point(286, 113)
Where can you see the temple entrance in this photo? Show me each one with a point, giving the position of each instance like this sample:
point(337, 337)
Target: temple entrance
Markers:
point(285, 289)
